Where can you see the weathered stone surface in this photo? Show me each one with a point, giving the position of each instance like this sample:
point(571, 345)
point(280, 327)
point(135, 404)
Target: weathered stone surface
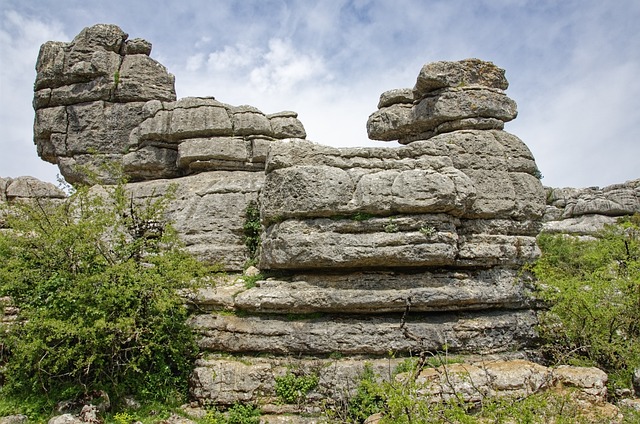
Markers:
point(197, 153)
point(411, 206)
point(474, 382)
point(373, 335)
point(380, 292)
point(89, 95)
point(141, 78)
point(448, 96)
point(12, 189)
point(396, 96)
point(454, 105)
point(208, 212)
point(14, 419)
point(404, 241)
point(100, 127)
point(286, 125)
point(437, 75)
point(586, 211)
point(225, 381)
point(150, 162)
point(137, 46)
point(65, 419)
point(250, 123)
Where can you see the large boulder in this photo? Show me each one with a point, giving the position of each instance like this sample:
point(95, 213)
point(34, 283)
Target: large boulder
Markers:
point(447, 96)
point(89, 95)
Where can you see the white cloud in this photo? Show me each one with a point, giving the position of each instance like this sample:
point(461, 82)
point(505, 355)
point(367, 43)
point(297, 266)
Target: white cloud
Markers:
point(20, 39)
point(572, 65)
point(194, 63)
point(283, 67)
point(233, 57)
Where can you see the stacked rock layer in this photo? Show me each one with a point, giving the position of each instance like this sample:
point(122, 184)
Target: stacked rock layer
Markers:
point(585, 211)
point(376, 250)
point(105, 109)
point(379, 250)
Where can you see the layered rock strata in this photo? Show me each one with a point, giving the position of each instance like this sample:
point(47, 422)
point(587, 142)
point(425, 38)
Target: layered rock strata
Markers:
point(246, 379)
point(371, 250)
point(586, 211)
point(358, 237)
point(105, 109)
point(101, 101)
point(447, 97)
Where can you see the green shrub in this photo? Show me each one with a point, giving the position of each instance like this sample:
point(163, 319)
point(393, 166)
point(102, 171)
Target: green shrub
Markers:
point(593, 291)
point(292, 388)
point(237, 414)
point(369, 398)
point(252, 229)
point(95, 278)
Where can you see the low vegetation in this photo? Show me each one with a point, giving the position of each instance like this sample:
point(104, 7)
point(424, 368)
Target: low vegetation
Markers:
point(94, 279)
point(592, 288)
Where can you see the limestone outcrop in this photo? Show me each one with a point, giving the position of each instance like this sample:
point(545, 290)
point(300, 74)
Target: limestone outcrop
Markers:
point(22, 188)
point(364, 251)
point(447, 97)
point(101, 101)
point(359, 236)
point(586, 211)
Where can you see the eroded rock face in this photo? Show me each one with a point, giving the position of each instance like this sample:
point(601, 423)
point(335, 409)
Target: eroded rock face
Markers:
point(400, 250)
point(90, 94)
point(207, 210)
point(447, 96)
point(195, 135)
point(586, 211)
point(101, 100)
point(467, 198)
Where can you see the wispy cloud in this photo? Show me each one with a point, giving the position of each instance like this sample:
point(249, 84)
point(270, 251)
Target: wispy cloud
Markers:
point(572, 65)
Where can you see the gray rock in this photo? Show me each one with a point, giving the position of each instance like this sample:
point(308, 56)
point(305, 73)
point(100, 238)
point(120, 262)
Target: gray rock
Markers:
point(251, 123)
point(137, 46)
point(477, 332)
point(469, 72)
point(475, 382)
point(150, 162)
point(89, 95)
point(398, 95)
point(447, 97)
point(28, 188)
point(65, 419)
point(587, 211)
point(197, 152)
point(636, 381)
point(284, 125)
point(141, 78)
point(443, 184)
point(14, 419)
point(468, 108)
point(633, 404)
point(384, 292)
point(208, 212)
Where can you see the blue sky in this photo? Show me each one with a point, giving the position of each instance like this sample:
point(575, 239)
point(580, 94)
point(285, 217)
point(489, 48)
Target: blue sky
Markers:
point(573, 66)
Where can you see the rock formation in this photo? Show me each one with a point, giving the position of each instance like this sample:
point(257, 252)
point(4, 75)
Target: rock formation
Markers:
point(101, 100)
point(447, 97)
point(586, 211)
point(370, 250)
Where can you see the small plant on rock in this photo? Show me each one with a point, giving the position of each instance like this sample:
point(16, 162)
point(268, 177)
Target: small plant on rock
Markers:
point(292, 388)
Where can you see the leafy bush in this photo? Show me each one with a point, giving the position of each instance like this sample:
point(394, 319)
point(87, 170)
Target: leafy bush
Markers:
point(95, 280)
point(237, 414)
point(292, 388)
point(252, 229)
point(593, 289)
